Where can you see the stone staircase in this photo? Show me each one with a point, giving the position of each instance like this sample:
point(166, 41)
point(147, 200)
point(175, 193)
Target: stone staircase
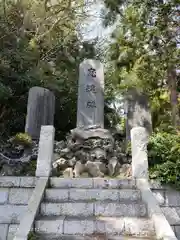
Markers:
point(96, 209)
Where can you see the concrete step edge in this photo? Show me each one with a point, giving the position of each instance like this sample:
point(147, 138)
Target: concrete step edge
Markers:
point(101, 237)
point(89, 194)
point(81, 218)
point(95, 201)
point(106, 183)
point(114, 226)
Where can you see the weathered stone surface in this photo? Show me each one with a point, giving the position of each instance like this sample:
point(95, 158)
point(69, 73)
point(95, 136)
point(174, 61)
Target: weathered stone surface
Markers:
point(91, 133)
point(27, 220)
point(113, 183)
point(160, 196)
point(95, 169)
point(78, 169)
point(177, 231)
point(109, 225)
point(9, 181)
point(28, 182)
point(161, 225)
point(20, 195)
point(137, 226)
point(45, 155)
point(11, 213)
point(172, 198)
point(90, 94)
point(45, 226)
point(3, 231)
point(139, 140)
point(40, 110)
point(114, 209)
point(12, 231)
point(171, 215)
point(78, 226)
point(4, 193)
point(60, 163)
point(138, 112)
point(67, 209)
point(55, 195)
point(71, 183)
point(99, 227)
point(129, 194)
point(99, 153)
point(125, 171)
point(113, 166)
point(91, 145)
point(68, 173)
point(93, 194)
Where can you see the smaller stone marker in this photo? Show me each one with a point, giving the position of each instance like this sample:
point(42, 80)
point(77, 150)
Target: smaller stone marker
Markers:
point(139, 141)
point(45, 154)
point(40, 110)
point(90, 94)
point(137, 112)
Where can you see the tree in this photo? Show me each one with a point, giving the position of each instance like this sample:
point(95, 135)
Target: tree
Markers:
point(40, 45)
point(144, 49)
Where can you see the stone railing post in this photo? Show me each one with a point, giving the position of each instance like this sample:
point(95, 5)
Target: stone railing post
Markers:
point(45, 153)
point(139, 141)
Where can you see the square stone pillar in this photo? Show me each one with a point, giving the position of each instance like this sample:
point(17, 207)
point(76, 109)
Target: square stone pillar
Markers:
point(139, 141)
point(46, 151)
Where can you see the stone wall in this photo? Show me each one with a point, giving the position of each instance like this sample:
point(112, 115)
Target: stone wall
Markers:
point(169, 201)
point(15, 193)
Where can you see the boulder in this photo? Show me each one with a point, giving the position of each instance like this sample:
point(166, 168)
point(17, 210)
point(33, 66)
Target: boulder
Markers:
point(78, 169)
point(95, 169)
point(113, 166)
point(68, 173)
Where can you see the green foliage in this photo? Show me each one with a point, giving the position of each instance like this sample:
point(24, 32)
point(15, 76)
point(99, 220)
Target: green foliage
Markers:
point(22, 139)
point(164, 157)
point(144, 53)
point(40, 46)
point(33, 236)
point(29, 168)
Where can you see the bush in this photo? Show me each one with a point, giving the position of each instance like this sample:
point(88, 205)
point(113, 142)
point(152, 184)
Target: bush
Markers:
point(164, 157)
point(22, 139)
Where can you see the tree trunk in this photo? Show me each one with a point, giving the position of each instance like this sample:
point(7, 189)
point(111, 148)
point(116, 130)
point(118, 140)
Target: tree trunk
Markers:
point(172, 83)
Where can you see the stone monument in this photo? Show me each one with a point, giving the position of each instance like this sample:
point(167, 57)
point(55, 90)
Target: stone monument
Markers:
point(137, 112)
point(90, 94)
point(90, 149)
point(40, 110)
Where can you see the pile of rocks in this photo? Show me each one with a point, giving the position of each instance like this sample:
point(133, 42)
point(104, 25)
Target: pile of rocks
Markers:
point(88, 153)
point(91, 153)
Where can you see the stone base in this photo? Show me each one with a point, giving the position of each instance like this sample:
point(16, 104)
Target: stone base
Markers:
point(91, 153)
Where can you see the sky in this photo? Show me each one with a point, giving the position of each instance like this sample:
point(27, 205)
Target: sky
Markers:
point(93, 27)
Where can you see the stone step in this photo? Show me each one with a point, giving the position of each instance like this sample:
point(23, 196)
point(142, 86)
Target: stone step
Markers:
point(99, 237)
point(92, 183)
point(94, 208)
point(55, 195)
point(90, 225)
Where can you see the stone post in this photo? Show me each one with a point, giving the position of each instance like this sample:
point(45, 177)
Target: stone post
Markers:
point(139, 141)
point(137, 112)
point(40, 110)
point(45, 153)
point(90, 94)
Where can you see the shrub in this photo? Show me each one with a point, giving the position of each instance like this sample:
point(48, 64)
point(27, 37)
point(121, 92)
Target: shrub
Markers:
point(164, 157)
point(22, 139)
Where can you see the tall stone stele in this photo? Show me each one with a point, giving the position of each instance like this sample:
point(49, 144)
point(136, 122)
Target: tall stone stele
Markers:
point(90, 110)
point(40, 110)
